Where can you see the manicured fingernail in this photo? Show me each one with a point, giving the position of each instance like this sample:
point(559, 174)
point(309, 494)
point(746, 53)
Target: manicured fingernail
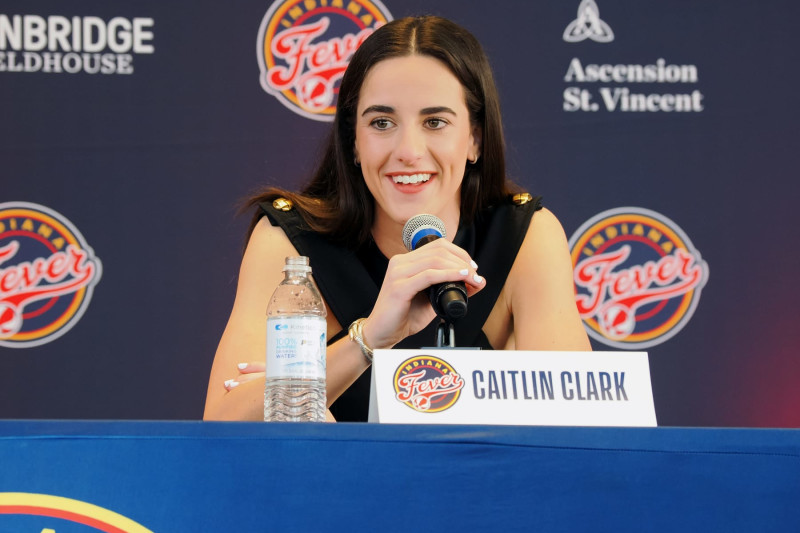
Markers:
point(230, 384)
point(242, 366)
point(474, 265)
point(477, 278)
point(463, 272)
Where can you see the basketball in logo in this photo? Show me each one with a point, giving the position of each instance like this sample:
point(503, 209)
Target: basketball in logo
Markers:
point(637, 277)
point(427, 384)
point(304, 47)
point(47, 275)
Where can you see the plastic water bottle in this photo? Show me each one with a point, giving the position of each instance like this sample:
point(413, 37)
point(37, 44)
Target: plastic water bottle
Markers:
point(296, 329)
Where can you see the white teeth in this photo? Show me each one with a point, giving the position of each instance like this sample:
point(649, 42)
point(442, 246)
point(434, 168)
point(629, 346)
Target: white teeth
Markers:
point(414, 178)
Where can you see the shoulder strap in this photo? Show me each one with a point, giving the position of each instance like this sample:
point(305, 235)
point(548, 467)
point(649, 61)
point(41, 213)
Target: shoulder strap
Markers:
point(336, 269)
point(347, 288)
point(494, 241)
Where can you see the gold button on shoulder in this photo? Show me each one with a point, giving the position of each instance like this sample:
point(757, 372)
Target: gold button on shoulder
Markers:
point(522, 198)
point(282, 204)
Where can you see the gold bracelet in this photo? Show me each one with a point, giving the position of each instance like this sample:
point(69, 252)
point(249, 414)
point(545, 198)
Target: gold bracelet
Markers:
point(356, 334)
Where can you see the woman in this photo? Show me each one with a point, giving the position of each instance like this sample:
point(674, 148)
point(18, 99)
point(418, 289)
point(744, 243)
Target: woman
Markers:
point(417, 130)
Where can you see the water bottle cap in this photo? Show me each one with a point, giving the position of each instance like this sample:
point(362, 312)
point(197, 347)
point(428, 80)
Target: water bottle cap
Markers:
point(297, 264)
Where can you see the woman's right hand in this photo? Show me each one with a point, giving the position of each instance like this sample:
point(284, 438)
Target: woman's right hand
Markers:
point(403, 308)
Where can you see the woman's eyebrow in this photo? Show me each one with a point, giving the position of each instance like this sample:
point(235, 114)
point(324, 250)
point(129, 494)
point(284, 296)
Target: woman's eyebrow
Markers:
point(425, 111)
point(436, 110)
point(378, 109)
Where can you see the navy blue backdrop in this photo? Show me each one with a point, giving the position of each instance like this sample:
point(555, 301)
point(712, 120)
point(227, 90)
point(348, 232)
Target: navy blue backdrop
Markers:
point(143, 169)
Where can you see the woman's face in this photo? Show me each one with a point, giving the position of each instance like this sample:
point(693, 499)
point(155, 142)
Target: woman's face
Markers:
point(413, 139)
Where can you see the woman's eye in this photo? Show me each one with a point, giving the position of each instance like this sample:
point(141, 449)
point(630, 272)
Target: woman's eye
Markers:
point(381, 123)
point(435, 123)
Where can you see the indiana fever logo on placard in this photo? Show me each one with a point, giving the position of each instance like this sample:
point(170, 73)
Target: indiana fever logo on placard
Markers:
point(304, 47)
point(637, 277)
point(427, 384)
point(47, 275)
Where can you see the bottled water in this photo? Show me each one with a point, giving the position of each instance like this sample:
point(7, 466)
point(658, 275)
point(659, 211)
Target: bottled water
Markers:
point(296, 329)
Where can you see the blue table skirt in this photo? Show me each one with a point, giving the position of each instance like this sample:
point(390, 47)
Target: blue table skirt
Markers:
point(201, 476)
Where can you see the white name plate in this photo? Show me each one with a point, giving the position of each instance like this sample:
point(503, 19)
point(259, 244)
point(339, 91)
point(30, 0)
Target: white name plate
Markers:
point(431, 386)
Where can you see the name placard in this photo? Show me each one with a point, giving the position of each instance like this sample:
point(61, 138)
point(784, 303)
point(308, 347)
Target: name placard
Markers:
point(511, 388)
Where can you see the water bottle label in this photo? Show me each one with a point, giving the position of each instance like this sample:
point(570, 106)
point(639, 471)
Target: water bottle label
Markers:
point(296, 347)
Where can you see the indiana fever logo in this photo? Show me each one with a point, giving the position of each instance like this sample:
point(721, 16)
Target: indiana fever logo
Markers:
point(427, 384)
point(24, 510)
point(47, 275)
point(304, 47)
point(637, 277)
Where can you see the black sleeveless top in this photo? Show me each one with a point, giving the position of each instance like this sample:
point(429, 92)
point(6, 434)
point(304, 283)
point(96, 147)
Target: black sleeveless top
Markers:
point(350, 280)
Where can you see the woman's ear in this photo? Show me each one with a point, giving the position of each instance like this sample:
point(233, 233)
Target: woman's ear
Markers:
point(476, 138)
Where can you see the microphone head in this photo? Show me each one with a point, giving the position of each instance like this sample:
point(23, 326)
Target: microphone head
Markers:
point(420, 226)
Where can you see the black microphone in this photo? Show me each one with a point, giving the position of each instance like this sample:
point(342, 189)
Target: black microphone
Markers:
point(448, 299)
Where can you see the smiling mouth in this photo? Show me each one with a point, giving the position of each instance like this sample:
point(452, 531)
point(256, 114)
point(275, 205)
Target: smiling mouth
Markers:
point(412, 179)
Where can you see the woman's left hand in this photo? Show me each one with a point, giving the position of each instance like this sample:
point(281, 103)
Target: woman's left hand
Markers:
point(247, 372)
point(255, 370)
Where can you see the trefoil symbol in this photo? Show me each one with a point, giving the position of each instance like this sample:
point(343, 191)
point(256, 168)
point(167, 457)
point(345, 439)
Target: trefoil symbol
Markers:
point(588, 25)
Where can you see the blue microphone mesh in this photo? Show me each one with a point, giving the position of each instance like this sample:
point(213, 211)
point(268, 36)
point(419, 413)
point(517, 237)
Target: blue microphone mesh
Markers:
point(420, 223)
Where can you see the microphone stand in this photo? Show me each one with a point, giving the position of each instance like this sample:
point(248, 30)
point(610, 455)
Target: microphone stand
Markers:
point(445, 334)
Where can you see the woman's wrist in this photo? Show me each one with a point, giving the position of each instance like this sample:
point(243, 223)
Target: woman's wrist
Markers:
point(356, 334)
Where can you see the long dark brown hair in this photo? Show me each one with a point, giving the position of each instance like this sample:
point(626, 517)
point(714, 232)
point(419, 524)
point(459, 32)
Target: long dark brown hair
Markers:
point(336, 201)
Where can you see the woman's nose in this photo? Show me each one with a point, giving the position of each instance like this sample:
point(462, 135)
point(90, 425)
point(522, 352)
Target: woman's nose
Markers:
point(410, 145)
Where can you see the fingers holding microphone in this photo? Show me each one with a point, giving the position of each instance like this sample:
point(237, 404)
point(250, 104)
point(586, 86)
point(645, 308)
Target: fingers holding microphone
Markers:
point(448, 297)
point(435, 278)
point(438, 262)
